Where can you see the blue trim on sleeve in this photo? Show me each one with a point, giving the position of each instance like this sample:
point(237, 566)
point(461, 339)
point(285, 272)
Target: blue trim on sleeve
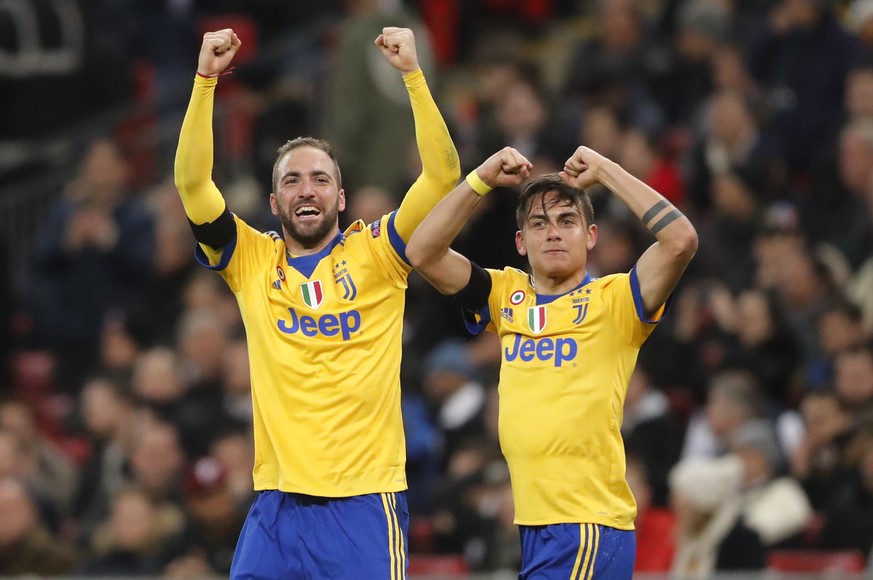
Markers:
point(638, 299)
point(226, 254)
point(475, 327)
point(543, 299)
point(396, 241)
point(306, 265)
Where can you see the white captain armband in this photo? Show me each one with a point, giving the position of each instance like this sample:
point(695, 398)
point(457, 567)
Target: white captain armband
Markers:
point(474, 295)
point(215, 234)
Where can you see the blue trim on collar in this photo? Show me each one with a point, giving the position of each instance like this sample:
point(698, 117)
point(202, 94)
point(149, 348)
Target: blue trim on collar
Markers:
point(543, 299)
point(306, 264)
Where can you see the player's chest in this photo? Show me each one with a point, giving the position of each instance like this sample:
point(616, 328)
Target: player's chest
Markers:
point(336, 282)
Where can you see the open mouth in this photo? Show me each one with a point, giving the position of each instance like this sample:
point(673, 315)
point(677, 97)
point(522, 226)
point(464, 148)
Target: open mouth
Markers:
point(307, 211)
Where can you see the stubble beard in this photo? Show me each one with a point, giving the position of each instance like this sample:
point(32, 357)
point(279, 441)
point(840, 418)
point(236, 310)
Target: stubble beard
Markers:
point(313, 235)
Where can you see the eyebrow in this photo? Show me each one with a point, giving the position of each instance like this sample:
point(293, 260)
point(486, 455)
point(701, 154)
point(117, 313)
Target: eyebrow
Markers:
point(314, 173)
point(560, 216)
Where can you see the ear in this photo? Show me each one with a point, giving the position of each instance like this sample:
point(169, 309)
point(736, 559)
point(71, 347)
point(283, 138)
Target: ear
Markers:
point(341, 200)
point(519, 243)
point(274, 204)
point(592, 237)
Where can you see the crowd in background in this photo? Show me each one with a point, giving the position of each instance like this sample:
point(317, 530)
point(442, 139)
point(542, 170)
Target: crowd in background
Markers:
point(125, 415)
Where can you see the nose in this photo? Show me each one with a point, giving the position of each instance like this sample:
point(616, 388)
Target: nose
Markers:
point(552, 232)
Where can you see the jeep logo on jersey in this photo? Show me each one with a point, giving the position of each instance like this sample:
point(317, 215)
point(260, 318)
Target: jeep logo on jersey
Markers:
point(312, 294)
point(344, 324)
point(536, 319)
point(559, 350)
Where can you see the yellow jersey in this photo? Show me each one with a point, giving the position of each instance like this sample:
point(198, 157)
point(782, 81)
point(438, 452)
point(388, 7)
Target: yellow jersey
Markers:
point(565, 366)
point(324, 335)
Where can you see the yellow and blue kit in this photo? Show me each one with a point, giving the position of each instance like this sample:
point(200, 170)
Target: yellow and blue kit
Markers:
point(324, 341)
point(565, 368)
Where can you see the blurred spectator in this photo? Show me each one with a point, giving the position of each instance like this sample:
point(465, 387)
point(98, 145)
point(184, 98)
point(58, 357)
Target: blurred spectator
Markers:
point(801, 62)
point(615, 66)
point(849, 515)
point(757, 338)
point(733, 141)
point(835, 211)
point(655, 526)
point(131, 541)
point(730, 510)
point(642, 156)
point(27, 548)
point(455, 392)
point(54, 473)
point(369, 132)
point(213, 522)
point(853, 380)
point(108, 417)
point(94, 256)
point(820, 462)
point(734, 400)
point(651, 433)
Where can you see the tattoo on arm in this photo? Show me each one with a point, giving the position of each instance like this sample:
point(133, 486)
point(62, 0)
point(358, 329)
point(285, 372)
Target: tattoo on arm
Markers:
point(666, 221)
point(653, 211)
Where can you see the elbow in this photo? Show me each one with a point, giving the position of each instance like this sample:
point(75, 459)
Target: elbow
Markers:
point(415, 255)
point(684, 243)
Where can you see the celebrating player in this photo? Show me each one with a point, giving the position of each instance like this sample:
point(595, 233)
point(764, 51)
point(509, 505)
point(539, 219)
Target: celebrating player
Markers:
point(323, 314)
point(569, 344)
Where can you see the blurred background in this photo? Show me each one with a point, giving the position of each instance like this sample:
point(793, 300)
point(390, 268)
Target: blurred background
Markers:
point(124, 401)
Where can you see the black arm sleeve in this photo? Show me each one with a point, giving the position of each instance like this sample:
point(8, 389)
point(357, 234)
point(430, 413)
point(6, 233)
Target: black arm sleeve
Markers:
point(474, 295)
point(215, 234)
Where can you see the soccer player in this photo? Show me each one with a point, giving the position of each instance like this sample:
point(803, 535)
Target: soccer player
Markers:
point(569, 344)
point(323, 316)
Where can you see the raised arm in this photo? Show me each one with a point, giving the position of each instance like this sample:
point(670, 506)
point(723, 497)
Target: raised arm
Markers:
point(194, 155)
point(662, 264)
point(441, 167)
point(428, 248)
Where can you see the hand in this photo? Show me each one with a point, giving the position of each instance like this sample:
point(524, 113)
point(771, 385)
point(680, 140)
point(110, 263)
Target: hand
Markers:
point(506, 168)
point(398, 46)
point(582, 169)
point(216, 52)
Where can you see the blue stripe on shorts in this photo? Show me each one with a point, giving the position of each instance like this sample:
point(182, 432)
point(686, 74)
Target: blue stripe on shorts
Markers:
point(577, 552)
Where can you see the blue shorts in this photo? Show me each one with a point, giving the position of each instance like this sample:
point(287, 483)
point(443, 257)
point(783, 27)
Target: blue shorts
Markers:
point(577, 552)
point(293, 536)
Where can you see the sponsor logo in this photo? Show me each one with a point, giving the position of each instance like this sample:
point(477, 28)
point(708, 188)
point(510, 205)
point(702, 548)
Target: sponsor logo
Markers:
point(506, 313)
point(557, 350)
point(313, 295)
point(376, 228)
point(343, 324)
point(277, 284)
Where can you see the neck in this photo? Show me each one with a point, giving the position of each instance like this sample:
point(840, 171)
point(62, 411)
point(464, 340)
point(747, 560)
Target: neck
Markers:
point(558, 284)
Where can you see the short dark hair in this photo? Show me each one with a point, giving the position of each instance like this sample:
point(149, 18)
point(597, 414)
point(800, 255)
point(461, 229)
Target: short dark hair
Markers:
point(564, 192)
point(313, 142)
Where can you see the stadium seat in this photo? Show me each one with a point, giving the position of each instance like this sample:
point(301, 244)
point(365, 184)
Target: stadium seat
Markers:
point(815, 561)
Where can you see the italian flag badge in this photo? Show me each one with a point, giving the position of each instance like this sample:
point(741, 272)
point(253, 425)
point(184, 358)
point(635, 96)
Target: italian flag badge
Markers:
point(312, 293)
point(536, 319)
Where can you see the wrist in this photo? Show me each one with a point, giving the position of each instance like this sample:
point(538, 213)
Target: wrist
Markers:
point(206, 76)
point(475, 182)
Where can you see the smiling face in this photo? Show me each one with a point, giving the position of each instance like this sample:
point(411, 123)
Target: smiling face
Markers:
point(556, 237)
point(307, 198)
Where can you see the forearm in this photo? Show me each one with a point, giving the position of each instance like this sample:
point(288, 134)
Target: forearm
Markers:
point(439, 158)
point(652, 208)
point(431, 240)
point(194, 156)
